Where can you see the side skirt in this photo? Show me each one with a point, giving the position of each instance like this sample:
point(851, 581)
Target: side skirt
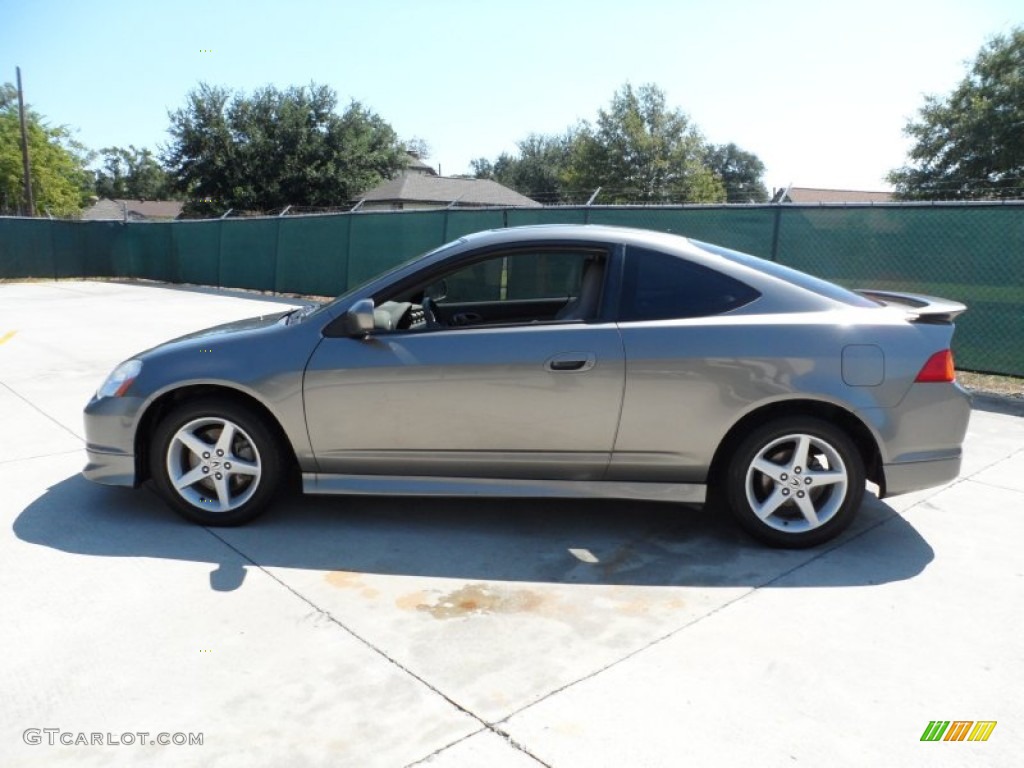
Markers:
point(392, 485)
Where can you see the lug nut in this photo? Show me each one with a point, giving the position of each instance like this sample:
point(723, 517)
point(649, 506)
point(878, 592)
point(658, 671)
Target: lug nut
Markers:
point(797, 470)
point(807, 480)
point(799, 494)
point(785, 491)
point(219, 476)
point(206, 470)
point(227, 465)
point(206, 454)
point(220, 452)
point(783, 477)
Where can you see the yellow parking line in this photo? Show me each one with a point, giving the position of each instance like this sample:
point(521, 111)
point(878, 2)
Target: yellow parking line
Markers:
point(7, 336)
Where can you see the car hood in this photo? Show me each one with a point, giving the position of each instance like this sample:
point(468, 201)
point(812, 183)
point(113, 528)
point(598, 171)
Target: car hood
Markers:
point(220, 332)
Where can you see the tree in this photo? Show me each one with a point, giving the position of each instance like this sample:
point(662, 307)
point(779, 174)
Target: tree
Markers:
point(61, 185)
point(741, 172)
point(969, 145)
point(538, 171)
point(641, 151)
point(417, 147)
point(132, 174)
point(276, 148)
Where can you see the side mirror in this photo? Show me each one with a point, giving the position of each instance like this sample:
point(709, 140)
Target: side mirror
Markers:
point(359, 319)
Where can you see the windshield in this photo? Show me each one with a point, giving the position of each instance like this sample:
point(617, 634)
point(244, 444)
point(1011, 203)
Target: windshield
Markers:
point(299, 314)
point(790, 275)
point(385, 273)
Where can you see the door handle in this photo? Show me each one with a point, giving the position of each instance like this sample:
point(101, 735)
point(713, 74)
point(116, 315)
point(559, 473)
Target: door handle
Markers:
point(571, 362)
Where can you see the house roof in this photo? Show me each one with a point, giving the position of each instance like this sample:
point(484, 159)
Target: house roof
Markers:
point(106, 209)
point(416, 165)
point(444, 190)
point(816, 195)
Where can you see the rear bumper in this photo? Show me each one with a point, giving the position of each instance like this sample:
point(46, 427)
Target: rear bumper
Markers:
point(921, 439)
point(913, 476)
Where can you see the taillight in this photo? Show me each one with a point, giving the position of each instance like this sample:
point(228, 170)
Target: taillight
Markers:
point(938, 368)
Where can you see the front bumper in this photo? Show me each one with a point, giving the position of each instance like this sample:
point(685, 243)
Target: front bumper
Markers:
point(110, 440)
point(110, 468)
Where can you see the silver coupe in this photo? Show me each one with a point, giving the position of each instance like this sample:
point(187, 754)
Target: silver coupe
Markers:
point(584, 361)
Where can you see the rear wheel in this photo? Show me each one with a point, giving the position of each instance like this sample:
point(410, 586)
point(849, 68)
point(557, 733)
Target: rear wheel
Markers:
point(215, 462)
point(795, 482)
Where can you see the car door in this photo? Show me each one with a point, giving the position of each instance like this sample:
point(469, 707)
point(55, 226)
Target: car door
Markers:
point(478, 395)
point(688, 375)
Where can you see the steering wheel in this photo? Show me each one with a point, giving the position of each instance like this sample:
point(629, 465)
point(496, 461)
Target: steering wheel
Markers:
point(428, 312)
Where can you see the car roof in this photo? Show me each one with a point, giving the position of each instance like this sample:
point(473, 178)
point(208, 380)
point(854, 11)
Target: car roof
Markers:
point(788, 289)
point(595, 232)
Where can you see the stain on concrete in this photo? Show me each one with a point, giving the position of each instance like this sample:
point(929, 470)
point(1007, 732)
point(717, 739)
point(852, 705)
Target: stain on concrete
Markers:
point(632, 602)
point(413, 600)
point(487, 599)
point(350, 580)
point(344, 579)
point(472, 599)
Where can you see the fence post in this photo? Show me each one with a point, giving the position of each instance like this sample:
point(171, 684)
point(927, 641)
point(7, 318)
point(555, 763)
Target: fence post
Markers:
point(53, 250)
point(348, 252)
point(775, 232)
point(277, 250)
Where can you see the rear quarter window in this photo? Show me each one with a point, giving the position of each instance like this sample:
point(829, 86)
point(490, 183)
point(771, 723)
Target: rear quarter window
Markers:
point(790, 275)
point(659, 286)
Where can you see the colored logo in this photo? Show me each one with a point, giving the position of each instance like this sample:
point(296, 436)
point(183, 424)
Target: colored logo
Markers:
point(958, 730)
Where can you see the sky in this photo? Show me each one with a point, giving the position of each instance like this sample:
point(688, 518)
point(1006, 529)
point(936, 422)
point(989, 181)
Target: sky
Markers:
point(820, 91)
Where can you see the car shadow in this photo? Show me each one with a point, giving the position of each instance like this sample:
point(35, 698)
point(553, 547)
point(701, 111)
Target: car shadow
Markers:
point(555, 541)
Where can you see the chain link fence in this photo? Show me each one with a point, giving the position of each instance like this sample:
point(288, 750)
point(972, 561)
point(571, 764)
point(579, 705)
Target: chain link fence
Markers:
point(970, 252)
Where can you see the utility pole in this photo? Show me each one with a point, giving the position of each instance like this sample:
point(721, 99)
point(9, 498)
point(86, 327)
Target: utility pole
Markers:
point(26, 165)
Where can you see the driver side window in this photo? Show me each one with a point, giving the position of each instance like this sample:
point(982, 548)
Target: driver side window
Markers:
point(515, 287)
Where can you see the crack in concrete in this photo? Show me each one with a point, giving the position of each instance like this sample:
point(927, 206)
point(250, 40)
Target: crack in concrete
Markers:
point(36, 408)
point(495, 727)
point(40, 456)
point(390, 659)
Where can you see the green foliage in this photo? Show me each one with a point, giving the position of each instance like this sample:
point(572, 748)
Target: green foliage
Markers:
point(969, 145)
point(539, 170)
point(417, 147)
point(276, 148)
point(132, 174)
point(741, 173)
point(638, 151)
point(61, 184)
point(641, 151)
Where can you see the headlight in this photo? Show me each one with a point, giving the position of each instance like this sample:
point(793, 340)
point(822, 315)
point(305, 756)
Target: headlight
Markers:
point(120, 379)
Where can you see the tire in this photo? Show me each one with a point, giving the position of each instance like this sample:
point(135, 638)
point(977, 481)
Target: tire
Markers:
point(202, 484)
point(795, 482)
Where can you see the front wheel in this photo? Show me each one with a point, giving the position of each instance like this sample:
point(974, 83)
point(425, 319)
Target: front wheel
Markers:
point(215, 462)
point(795, 482)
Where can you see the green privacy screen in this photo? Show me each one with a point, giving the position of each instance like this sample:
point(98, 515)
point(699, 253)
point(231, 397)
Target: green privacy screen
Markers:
point(970, 253)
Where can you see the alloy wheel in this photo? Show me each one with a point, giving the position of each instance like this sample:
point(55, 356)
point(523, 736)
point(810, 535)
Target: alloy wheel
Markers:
point(796, 483)
point(213, 464)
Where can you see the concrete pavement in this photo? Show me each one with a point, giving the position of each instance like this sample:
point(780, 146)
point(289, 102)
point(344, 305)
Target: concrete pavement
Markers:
point(399, 632)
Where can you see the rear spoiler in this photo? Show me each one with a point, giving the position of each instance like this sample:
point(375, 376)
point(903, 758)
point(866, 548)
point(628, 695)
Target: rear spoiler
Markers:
point(923, 309)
